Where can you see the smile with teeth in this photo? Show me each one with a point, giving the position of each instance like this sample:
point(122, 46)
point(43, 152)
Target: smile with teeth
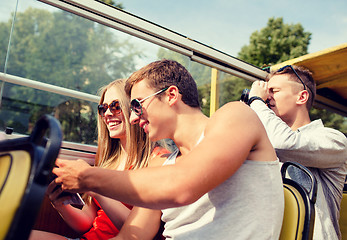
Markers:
point(113, 123)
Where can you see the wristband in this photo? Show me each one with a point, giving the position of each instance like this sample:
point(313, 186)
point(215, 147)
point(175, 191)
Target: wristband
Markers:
point(254, 98)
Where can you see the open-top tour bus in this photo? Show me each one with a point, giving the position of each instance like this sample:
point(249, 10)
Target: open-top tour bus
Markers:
point(75, 47)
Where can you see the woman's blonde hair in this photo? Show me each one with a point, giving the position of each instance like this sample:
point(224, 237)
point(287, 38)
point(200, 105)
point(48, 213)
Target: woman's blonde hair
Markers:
point(109, 149)
point(137, 142)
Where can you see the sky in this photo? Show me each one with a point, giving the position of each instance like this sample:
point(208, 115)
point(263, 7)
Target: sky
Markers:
point(227, 25)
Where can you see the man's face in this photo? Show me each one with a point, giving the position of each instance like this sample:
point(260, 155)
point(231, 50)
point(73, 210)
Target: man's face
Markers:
point(283, 95)
point(153, 118)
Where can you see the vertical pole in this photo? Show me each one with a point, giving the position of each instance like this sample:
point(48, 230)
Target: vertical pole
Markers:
point(214, 96)
point(2, 84)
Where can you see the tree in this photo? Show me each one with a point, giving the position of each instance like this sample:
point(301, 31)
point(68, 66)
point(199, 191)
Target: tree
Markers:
point(275, 43)
point(278, 42)
point(65, 50)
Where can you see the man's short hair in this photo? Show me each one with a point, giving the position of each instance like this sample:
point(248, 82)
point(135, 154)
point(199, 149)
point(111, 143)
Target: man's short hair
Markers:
point(305, 75)
point(165, 73)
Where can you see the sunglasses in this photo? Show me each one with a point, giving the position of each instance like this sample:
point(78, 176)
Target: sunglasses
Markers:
point(113, 106)
point(290, 66)
point(136, 106)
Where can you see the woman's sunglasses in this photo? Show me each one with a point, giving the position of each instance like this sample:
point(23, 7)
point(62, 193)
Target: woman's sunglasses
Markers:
point(113, 106)
point(136, 105)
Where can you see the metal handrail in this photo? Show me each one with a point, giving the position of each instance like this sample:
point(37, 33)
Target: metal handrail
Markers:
point(48, 87)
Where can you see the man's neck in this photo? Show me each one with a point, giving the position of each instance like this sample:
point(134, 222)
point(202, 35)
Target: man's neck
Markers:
point(190, 126)
point(301, 119)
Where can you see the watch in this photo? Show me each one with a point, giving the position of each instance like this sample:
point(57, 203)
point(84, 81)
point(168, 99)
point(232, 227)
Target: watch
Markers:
point(254, 98)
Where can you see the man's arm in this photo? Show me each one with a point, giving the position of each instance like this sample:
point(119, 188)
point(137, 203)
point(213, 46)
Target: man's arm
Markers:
point(230, 135)
point(324, 148)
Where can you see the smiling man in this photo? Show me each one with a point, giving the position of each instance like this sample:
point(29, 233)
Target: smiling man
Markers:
point(290, 93)
point(222, 182)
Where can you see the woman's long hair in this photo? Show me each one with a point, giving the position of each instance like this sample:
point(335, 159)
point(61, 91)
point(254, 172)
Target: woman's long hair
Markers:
point(137, 142)
point(110, 150)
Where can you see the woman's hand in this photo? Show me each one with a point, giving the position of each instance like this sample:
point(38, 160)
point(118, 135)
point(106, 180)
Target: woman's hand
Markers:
point(54, 193)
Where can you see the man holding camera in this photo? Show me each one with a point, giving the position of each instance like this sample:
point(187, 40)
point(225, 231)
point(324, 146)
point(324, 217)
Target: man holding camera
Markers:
point(282, 104)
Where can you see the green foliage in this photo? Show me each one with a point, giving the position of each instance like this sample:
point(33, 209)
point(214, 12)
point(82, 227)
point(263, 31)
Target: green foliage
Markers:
point(65, 50)
point(275, 43)
point(204, 98)
point(81, 56)
point(113, 3)
point(75, 117)
point(330, 119)
point(231, 89)
point(278, 42)
point(4, 37)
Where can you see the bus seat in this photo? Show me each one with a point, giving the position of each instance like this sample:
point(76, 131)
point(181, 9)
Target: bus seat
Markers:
point(299, 212)
point(25, 171)
point(343, 213)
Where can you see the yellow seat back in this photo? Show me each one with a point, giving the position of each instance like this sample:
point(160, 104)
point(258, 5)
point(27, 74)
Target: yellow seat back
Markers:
point(343, 215)
point(294, 214)
point(14, 172)
point(300, 192)
point(25, 172)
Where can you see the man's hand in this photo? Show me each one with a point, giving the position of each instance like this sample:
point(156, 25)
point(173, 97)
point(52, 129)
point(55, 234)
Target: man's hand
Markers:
point(69, 174)
point(259, 89)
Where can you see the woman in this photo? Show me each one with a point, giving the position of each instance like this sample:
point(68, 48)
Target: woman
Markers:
point(121, 146)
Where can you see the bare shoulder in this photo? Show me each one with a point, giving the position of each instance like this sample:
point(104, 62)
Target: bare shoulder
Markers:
point(236, 124)
point(234, 114)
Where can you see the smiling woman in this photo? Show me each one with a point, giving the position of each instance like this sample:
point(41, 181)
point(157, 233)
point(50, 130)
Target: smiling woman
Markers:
point(59, 53)
point(121, 146)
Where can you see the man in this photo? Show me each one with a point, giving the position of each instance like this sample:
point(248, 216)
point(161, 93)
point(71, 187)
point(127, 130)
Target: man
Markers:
point(290, 93)
point(223, 182)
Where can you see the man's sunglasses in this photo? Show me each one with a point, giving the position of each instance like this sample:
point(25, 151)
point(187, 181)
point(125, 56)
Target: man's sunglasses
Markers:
point(113, 106)
point(290, 66)
point(136, 106)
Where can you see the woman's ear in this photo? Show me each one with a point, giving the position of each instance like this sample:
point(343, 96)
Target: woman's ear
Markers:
point(302, 97)
point(173, 93)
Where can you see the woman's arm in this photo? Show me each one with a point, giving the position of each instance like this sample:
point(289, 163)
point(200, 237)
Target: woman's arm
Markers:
point(78, 219)
point(116, 211)
point(142, 223)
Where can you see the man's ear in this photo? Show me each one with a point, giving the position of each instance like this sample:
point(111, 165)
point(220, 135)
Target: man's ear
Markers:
point(302, 97)
point(173, 93)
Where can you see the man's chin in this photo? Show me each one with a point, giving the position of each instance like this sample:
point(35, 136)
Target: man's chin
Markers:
point(154, 138)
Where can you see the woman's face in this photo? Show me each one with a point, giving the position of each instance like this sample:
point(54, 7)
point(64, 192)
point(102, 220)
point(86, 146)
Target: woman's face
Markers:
point(115, 122)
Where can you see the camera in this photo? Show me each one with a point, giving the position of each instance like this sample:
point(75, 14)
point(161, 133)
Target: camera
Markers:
point(245, 95)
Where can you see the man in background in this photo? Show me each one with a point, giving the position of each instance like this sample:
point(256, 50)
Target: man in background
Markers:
point(290, 93)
